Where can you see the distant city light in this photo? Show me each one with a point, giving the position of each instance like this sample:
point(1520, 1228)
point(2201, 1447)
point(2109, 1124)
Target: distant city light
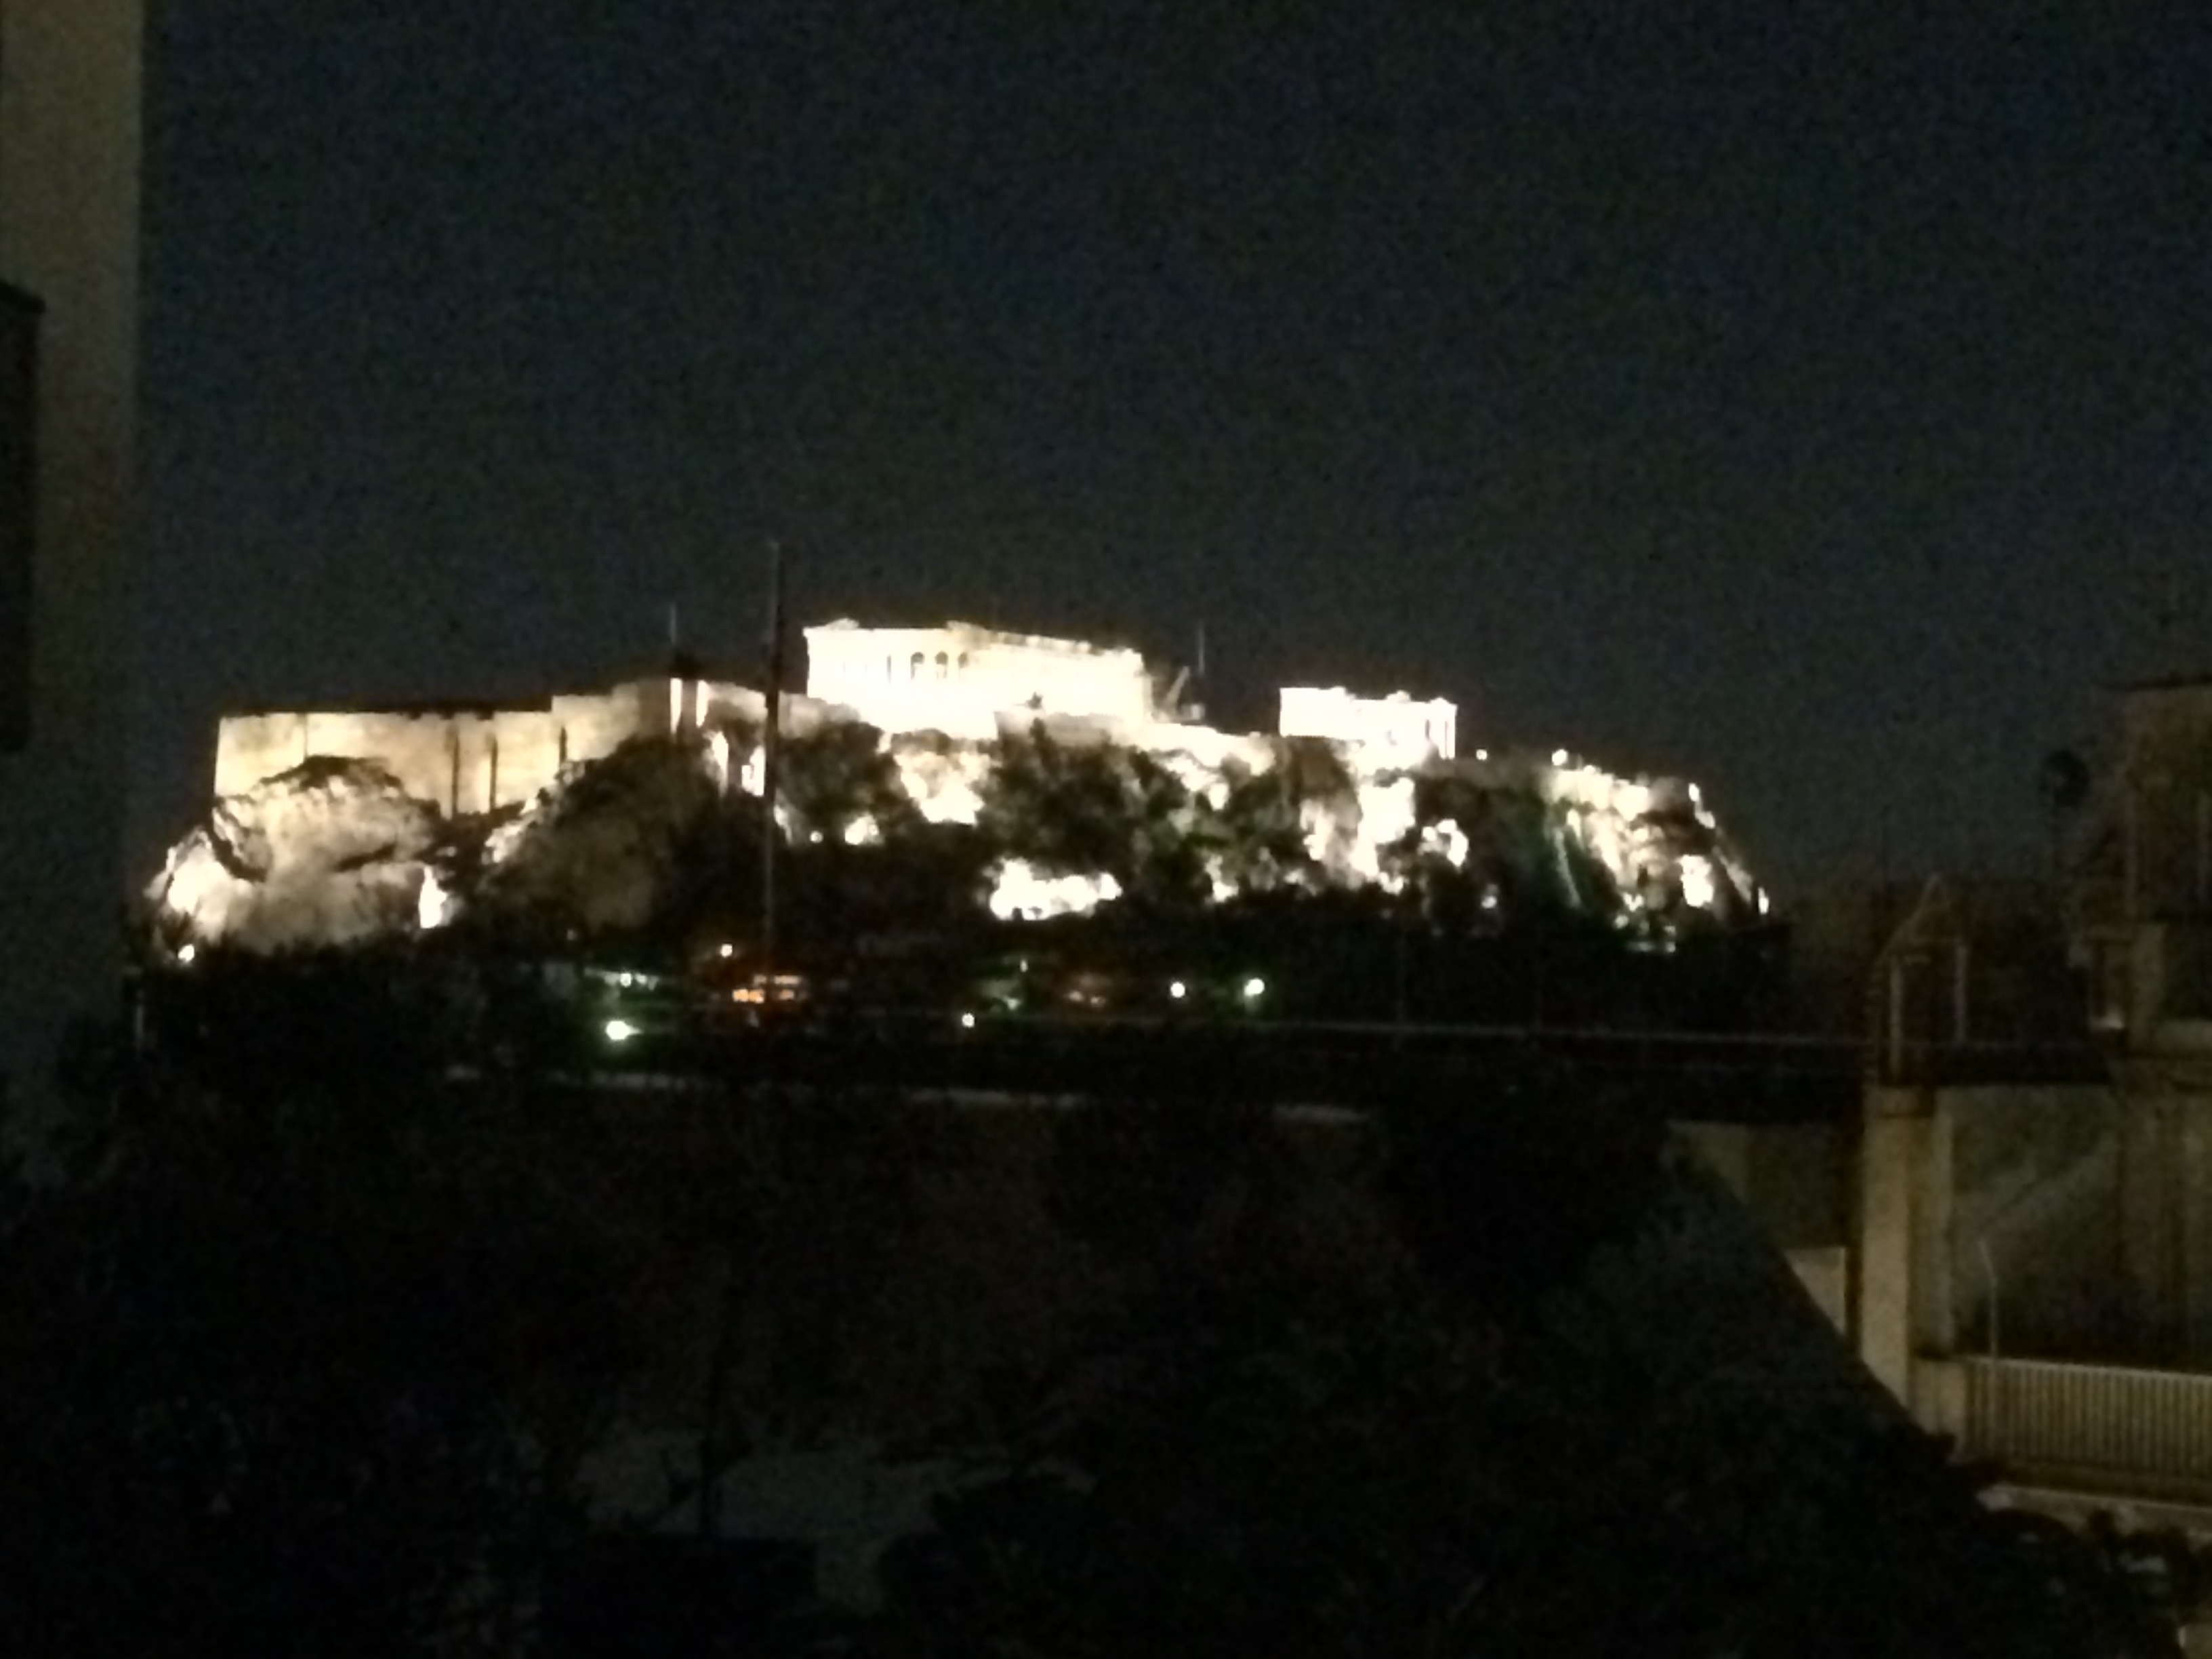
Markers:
point(1255, 988)
point(967, 1021)
point(186, 953)
point(1178, 990)
point(620, 1030)
point(728, 950)
point(1560, 758)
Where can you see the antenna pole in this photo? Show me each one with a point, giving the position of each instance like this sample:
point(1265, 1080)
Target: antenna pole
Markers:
point(771, 736)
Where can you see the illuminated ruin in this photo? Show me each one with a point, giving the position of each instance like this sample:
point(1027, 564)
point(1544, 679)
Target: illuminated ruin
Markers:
point(947, 701)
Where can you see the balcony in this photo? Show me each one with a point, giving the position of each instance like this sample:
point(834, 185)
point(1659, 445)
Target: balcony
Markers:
point(2108, 1431)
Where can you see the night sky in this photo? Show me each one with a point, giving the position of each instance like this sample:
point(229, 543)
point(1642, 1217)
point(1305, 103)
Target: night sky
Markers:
point(1801, 397)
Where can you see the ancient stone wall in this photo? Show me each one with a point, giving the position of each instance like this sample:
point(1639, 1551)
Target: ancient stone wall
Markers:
point(1383, 726)
point(468, 760)
point(463, 760)
point(959, 679)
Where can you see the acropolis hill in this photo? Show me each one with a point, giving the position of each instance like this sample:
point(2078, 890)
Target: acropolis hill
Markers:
point(333, 824)
point(971, 684)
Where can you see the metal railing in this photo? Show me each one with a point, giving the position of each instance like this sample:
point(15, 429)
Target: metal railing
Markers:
point(2110, 1419)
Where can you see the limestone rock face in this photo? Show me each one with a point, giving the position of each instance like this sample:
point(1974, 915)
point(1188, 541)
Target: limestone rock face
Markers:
point(332, 851)
point(336, 850)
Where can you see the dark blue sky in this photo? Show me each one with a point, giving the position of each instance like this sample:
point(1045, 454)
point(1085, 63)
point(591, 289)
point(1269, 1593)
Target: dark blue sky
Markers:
point(1807, 399)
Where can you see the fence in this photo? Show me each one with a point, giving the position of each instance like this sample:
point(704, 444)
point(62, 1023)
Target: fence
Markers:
point(2108, 1419)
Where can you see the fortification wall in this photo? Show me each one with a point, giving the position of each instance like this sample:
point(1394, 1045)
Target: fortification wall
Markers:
point(463, 761)
point(475, 760)
point(250, 747)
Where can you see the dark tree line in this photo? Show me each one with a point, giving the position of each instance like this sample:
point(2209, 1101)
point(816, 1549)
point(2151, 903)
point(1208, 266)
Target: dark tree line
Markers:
point(306, 1360)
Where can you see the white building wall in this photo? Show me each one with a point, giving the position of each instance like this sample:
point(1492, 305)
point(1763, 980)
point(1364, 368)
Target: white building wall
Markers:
point(1391, 726)
point(960, 679)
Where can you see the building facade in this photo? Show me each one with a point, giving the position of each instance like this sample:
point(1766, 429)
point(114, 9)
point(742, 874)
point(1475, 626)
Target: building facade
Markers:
point(1395, 727)
point(970, 683)
point(69, 167)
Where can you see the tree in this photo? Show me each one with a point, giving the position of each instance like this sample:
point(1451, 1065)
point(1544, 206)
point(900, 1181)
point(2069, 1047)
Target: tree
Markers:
point(615, 850)
point(838, 776)
point(303, 1376)
point(1480, 1432)
point(1099, 809)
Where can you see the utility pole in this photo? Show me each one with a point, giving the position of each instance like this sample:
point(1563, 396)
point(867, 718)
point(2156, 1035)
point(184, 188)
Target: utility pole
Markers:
point(771, 736)
point(721, 1358)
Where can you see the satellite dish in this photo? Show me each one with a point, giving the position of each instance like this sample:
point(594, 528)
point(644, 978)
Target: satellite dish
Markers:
point(2064, 783)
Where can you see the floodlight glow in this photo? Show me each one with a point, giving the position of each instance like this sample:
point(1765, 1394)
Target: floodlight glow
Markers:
point(967, 1021)
point(1178, 990)
point(625, 979)
point(620, 1030)
point(1559, 757)
point(728, 950)
point(186, 953)
point(1699, 890)
point(1255, 988)
point(434, 905)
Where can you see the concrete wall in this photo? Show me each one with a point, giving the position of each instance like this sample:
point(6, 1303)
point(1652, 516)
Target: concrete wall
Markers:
point(2166, 783)
point(2034, 1253)
point(1794, 1181)
point(69, 150)
point(2164, 1180)
point(1901, 1218)
point(1992, 1220)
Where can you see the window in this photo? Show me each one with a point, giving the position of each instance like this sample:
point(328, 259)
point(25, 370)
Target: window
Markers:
point(19, 328)
point(944, 665)
point(914, 668)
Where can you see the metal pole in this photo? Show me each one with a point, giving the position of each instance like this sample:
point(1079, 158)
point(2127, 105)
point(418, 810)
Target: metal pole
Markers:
point(770, 744)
